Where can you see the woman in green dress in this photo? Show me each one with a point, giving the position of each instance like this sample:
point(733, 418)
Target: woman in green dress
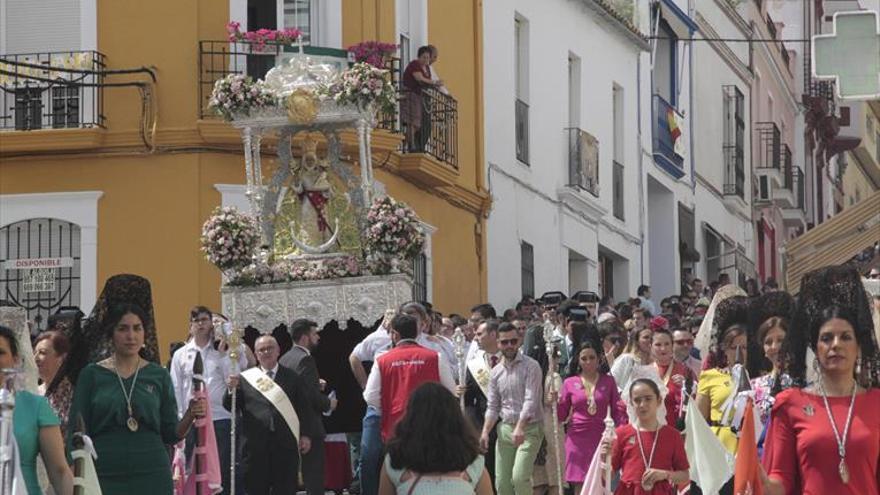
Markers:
point(127, 405)
point(35, 428)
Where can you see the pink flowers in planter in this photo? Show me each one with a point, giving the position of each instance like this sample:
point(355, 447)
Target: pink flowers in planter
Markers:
point(374, 53)
point(262, 36)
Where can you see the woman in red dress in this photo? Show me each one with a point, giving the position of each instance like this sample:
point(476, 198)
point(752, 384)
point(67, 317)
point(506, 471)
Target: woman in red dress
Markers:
point(649, 455)
point(673, 374)
point(824, 437)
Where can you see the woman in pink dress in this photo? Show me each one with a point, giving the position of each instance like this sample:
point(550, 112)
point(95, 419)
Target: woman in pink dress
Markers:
point(824, 436)
point(583, 403)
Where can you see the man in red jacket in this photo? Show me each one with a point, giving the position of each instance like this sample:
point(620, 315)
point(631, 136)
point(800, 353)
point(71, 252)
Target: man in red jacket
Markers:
point(400, 370)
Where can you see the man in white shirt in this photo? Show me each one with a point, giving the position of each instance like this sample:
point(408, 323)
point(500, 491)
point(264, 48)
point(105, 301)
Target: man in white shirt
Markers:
point(217, 367)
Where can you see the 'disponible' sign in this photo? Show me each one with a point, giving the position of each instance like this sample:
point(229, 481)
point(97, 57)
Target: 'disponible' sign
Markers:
point(37, 263)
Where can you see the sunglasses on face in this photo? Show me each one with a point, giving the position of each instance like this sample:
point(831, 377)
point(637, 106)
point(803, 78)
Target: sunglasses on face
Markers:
point(615, 340)
point(508, 341)
point(684, 342)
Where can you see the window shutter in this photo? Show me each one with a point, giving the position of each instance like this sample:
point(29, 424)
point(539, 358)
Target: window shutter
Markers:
point(44, 26)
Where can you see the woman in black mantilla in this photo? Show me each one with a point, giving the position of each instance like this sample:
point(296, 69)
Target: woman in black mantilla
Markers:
point(126, 400)
point(824, 436)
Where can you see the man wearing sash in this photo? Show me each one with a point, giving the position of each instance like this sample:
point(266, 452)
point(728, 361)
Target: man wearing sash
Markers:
point(476, 387)
point(277, 422)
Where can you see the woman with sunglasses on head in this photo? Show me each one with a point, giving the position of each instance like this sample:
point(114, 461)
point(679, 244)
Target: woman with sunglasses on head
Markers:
point(824, 437)
point(649, 454)
point(584, 401)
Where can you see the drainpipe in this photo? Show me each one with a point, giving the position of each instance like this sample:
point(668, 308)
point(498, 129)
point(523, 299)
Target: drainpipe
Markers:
point(642, 191)
point(691, 11)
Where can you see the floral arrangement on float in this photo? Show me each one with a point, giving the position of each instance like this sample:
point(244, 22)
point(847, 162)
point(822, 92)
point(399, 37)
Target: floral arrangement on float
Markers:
point(261, 37)
point(364, 86)
point(392, 237)
point(237, 94)
point(375, 53)
point(230, 239)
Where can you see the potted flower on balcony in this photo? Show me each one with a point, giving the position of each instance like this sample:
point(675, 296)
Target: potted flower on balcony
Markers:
point(375, 53)
point(261, 37)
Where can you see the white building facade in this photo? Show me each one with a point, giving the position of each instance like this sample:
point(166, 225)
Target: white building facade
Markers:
point(562, 141)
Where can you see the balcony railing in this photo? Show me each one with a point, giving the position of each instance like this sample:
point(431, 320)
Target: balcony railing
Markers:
point(787, 172)
point(522, 131)
point(667, 132)
point(218, 59)
point(436, 134)
point(437, 131)
point(770, 146)
point(51, 90)
point(583, 161)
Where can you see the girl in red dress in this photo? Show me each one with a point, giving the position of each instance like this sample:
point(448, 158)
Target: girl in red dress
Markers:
point(824, 437)
point(649, 455)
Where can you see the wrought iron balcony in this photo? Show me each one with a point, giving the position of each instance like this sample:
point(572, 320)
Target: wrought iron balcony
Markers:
point(437, 132)
point(583, 161)
point(51, 90)
point(667, 131)
point(522, 131)
point(770, 146)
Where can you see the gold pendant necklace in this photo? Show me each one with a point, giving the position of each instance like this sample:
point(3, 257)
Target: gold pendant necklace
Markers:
point(590, 393)
point(131, 422)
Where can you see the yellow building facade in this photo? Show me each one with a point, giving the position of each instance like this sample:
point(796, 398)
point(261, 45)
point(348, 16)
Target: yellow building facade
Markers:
point(137, 188)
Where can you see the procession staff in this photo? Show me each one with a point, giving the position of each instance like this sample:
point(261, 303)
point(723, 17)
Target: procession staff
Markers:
point(128, 407)
point(838, 413)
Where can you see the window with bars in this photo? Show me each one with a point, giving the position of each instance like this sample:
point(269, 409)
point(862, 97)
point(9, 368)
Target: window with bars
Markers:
point(420, 278)
point(527, 270)
point(28, 108)
point(65, 107)
point(734, 141)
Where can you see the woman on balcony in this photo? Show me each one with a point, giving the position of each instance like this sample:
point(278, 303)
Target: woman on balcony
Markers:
point(416, 77)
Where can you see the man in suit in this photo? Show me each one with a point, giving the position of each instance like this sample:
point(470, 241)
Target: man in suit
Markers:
point(476, 387)
point(277, 419)
point(299, 359)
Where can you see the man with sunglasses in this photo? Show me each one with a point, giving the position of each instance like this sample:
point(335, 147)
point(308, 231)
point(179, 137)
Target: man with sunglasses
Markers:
point(516, 399)
point(682, 343)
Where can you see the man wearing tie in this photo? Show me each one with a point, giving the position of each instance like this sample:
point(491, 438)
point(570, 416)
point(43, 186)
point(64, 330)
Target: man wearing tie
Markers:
point(277, 419)
point(299, 359)
point(476, 388)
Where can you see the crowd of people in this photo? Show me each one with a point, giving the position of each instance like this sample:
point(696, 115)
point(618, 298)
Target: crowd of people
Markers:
point(533, 400)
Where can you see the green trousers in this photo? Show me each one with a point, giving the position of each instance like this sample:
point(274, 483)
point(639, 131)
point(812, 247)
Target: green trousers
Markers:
point(514, 465)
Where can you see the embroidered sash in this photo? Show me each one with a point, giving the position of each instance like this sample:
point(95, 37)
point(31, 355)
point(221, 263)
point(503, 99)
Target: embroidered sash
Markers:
point(275, 395)
point(480, 371)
